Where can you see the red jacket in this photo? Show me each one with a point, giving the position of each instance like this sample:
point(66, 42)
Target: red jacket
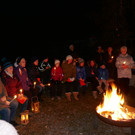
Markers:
point(12, 85)
point(57, 73)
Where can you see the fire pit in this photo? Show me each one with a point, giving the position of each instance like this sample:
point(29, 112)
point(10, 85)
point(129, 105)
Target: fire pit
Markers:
point(114, 111)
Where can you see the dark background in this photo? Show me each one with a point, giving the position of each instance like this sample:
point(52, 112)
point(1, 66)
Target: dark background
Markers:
point(49, 27)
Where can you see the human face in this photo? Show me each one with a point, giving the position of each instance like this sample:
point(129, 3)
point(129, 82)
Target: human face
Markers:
point(70, 61)
point(57, 64)
point(82, 64)
point(103, 66)
point(22, 62)
point(92, 63)
point(36, 63)
point(9, 70)
point(124, 51)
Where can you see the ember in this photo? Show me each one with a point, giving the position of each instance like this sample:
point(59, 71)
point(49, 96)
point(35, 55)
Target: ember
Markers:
point(113, 106)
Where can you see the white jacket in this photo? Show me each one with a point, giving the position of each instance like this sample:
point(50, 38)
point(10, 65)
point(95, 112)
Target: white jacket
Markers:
point(124, 73)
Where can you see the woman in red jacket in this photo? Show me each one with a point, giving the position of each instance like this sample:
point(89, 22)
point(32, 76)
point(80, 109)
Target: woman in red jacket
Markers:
point(56, 77)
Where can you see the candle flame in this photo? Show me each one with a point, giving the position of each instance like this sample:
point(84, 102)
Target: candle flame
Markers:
point(15, 96)
point(35, 83)
point(49, 84)
point(124, 62)
point(21, 90)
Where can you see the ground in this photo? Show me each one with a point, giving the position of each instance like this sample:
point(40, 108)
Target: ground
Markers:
point(60, 117)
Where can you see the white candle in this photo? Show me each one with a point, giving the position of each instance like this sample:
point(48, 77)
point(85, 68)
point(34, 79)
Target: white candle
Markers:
point(35, 84)
point(15, 96)
point(21, 91)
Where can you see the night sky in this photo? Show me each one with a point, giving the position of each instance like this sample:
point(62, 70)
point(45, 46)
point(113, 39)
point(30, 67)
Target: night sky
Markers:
point(46, 28)
point(45, 25)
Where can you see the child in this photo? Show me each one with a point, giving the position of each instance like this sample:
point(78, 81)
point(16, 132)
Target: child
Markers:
point(103, 76)
point(56, 76)
point(81, 75)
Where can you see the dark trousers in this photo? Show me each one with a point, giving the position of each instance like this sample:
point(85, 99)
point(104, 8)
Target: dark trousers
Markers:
point(70, 87)
point(124, 85)
point(56, 89)
point(94, 83)
point(84, 87)
point(28, 93)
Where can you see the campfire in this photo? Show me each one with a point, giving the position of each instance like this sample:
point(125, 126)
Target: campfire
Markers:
point(113, 106)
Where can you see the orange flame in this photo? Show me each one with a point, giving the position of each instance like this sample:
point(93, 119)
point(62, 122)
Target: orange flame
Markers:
point(113, 106)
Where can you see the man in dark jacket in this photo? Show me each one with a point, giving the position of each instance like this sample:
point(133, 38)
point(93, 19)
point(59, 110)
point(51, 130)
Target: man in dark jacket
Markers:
point(33, 74)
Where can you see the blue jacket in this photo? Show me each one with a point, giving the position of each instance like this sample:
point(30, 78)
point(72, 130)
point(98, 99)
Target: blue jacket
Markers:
point(103, 74)
point(81, 73)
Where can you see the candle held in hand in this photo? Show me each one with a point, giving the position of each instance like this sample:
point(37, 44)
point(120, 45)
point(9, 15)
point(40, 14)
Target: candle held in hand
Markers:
point(15, 96)
point(21, 91)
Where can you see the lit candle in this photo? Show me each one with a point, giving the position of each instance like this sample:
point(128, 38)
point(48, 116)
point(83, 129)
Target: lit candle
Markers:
point(49, 84)
point(112, 57)
point(124, 62)
point(21, 91)
point(15, 96)
point(35, 84)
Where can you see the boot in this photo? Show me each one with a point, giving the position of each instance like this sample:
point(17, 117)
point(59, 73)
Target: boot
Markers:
point(76, 95)
point(100, 89)
point(68, 95)
point(95, 94)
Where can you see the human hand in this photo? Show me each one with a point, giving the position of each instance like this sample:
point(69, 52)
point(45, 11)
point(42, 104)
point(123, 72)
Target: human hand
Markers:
point(3, 99)
point(20, 96)
point(42, 85)
point(7, 103)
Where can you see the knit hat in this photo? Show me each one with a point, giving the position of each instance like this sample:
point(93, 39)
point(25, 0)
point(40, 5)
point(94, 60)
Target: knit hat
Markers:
point(7, 129)
point(5, 63)
point(33, 59)
point(80, 60)
point(69, 57)
point(56, 61)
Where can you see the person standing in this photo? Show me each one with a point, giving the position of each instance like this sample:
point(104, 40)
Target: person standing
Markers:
point(33, 75)
point(45, 70)
point(69, 79)
point(110, 62)
point(56, 78)
point(124, 64)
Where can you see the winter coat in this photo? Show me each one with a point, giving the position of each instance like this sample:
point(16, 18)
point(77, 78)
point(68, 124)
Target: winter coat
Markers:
point(89, 71)
point(12, 85)
point(81, 73)
point(43, 65)
point(33, 73)
point(23, 76)
point(69, 71)
point(3, 92)
point(57, 74)
point(103, 74)
point(124, 73)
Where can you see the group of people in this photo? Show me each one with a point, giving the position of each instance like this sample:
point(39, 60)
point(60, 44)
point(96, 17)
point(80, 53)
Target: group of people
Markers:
point(69, 75)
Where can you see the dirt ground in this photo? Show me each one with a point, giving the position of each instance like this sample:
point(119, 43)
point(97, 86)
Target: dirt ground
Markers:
point(60, 117)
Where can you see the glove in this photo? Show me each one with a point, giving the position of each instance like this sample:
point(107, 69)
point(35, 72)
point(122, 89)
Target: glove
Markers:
point(72, 79)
